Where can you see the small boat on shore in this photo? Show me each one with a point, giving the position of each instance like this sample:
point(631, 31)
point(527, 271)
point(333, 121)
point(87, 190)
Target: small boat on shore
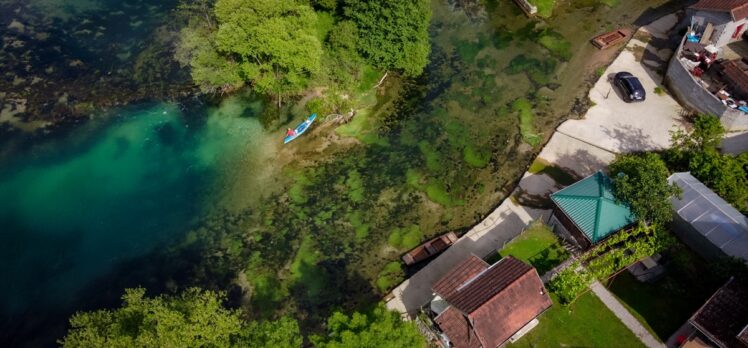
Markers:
point(300, 129)
point(430, 248)
point(611, 38)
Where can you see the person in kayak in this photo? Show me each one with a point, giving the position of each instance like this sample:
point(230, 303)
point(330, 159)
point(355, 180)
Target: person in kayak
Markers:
point(290, 132)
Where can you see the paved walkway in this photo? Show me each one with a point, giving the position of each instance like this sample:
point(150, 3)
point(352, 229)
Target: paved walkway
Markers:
point(620, 311)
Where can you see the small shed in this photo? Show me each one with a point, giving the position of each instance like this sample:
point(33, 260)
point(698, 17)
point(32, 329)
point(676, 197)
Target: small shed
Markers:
point(706, 222)
point(588, 211)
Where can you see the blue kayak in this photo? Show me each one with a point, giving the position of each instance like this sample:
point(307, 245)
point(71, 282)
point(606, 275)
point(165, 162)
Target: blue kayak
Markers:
point(300, 129)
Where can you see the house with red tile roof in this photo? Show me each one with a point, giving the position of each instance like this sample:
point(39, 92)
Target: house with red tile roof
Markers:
point(478, 305)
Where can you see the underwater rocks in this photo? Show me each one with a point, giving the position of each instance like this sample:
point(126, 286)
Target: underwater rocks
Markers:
point(57, 69)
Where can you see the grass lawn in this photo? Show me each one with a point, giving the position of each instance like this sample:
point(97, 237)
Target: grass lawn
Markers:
point(537, 246)
point(662, 307)
point(586, 323)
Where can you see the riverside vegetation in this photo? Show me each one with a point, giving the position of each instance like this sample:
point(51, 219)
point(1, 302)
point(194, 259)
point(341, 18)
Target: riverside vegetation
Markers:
point(432, 149)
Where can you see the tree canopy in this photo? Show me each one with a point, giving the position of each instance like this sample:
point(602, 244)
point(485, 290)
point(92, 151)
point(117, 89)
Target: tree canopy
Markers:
point(376, 328)
point(394, 33)
point(194, 318)
point(698, 153)
point(641, 182)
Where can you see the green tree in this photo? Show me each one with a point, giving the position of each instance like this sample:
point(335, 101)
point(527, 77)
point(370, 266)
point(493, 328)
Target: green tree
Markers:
point(376, 328)
point(706, 135)
point(393, 33)
point(271, 334)
point(641, 182)
point(194, 318)
point(273, 41)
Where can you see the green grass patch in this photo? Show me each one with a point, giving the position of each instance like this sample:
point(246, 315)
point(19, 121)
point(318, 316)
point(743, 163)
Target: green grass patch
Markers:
point(523, 108)
point(369, 78)
point(659, 90)
point(405, 237)
point(538, 246)
point(391, 275)
point(586, 323)
point(662, 307)
point(475, 158)
point(545, 7)
point(558, 174)
point(556, 44)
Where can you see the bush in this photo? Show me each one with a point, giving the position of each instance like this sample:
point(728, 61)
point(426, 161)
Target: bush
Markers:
point(570, 283)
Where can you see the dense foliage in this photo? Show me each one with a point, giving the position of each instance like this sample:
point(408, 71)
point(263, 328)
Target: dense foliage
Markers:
point(283, 48)
point(394, 32)
point(641, 182)
point(698, 153)
point(193, 319)
point(376, 328)
point(610, 257)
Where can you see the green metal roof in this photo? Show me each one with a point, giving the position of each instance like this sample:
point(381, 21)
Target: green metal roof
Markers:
point(593, 208)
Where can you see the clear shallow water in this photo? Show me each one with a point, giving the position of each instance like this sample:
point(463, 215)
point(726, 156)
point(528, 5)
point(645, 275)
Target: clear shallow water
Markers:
point(73, 208)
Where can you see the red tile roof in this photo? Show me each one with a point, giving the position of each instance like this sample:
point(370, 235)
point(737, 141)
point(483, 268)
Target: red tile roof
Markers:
point(492, 304)
point(480, 289)
point(457, 328)
point(521, 302)
point(738, 9)
point(725, 314)
point(459, 274)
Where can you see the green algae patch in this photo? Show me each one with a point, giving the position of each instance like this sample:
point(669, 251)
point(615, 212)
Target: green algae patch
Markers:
point(362, 127)
point(360, 228)
point(539, 71)
point(391, 275)
point(468, 50)
point(558, 174)
point(405, 237)
point(523, 108)
point(433, 159)
point(355, 186)
point(475, 158)
point(437, 193)
point(297, 192)
point(545, 7)
point(304, 270)
point(556, 44)
point(414, 177)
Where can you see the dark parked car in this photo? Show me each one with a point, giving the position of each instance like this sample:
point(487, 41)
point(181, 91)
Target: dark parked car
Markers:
point(630, 86)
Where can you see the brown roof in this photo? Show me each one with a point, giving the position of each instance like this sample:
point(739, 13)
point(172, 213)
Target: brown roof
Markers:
point(737, 73)
point(480, 289)
point(511, 309)
point(738, 9)
point(497, 301)
point(724, 315)
point(457, 328)
point(458, 275)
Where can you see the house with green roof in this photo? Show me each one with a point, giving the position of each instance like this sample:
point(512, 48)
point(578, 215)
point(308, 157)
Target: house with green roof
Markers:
point(588, 211)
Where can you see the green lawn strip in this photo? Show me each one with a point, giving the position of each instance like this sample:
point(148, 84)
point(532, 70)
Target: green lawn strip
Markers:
point(558, 174)
point(537, 246)
point(545, 7)
point(586, 323)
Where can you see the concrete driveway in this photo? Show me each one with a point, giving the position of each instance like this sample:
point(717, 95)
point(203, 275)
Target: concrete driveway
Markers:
point(620, 127)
